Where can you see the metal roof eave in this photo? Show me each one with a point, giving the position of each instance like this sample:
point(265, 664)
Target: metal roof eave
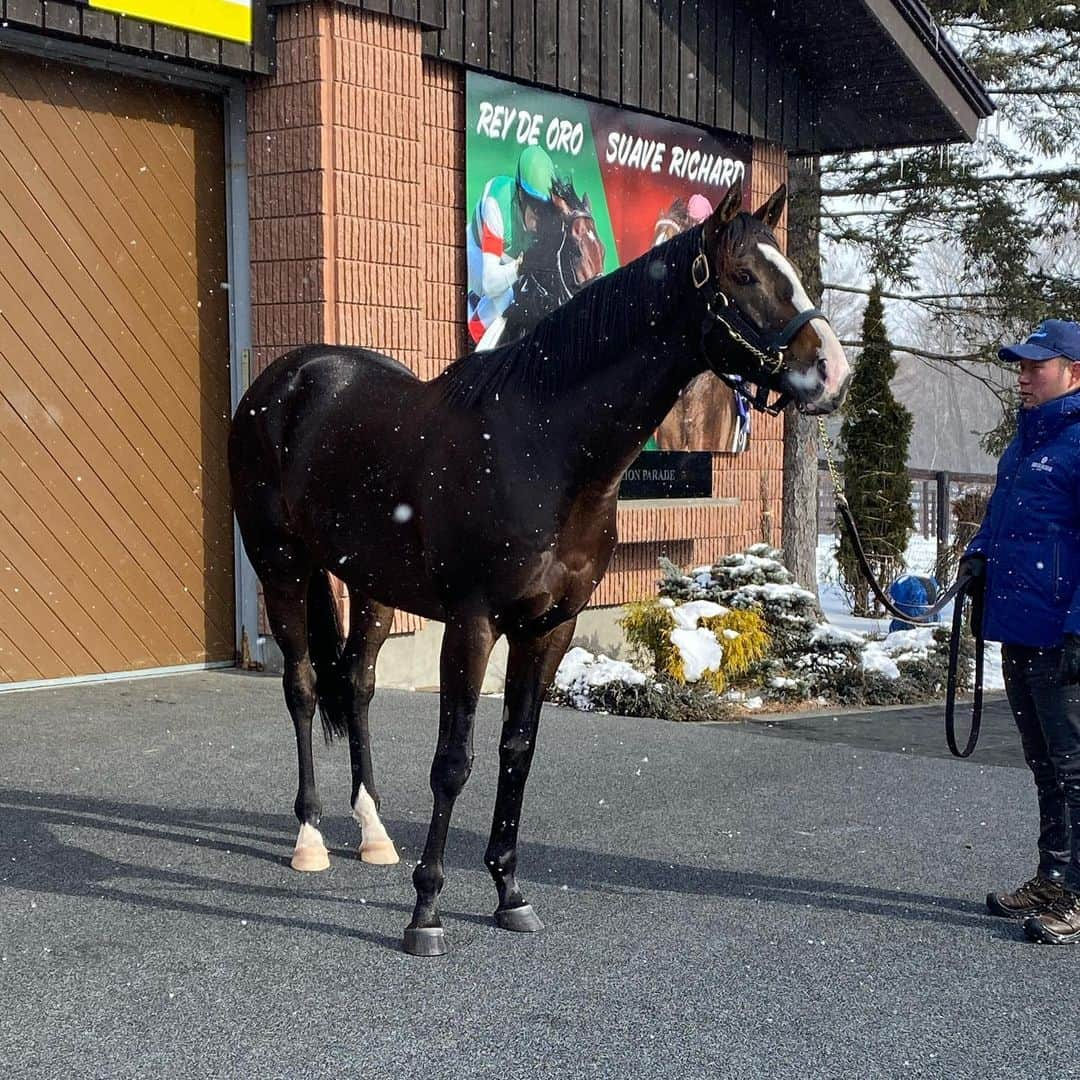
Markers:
point(935, 61)
point(882, 74)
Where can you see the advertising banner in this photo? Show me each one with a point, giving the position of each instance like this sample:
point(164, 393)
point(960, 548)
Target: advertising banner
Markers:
point(560, 190)
point(229, 19)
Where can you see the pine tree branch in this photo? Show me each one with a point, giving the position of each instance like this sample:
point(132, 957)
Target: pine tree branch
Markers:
point(1032, 91)
point(912, 351)
point(916, 297)
point(896, 211)
point(969, 370)
point(995, 388)
point(880, 211)
point(948, 182)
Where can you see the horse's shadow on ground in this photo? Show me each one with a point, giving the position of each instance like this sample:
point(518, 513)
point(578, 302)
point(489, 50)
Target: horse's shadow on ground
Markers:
point(34, 858)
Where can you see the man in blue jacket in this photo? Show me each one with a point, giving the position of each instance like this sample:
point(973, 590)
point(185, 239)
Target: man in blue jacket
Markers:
point(1028, 548)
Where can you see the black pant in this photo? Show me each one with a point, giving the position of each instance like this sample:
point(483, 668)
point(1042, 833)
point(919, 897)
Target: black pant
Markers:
point(1048, 716)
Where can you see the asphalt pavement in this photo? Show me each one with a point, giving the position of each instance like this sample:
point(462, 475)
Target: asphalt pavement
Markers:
point(771, 899)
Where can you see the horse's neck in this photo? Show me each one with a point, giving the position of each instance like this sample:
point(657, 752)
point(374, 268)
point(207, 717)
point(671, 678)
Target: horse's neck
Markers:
point(621, 351)
point(614, 411)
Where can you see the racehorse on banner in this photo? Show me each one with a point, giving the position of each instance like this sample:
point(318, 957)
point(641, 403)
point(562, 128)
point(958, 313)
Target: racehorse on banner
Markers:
point(486, 498)
point(564, 257)
point(672, 221)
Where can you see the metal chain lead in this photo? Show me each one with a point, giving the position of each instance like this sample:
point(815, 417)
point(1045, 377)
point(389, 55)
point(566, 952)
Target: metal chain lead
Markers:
point(833, 473)
point(771, 363)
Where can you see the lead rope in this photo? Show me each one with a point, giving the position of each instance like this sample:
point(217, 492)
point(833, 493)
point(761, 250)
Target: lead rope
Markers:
point(950, 685)
point(958, 591)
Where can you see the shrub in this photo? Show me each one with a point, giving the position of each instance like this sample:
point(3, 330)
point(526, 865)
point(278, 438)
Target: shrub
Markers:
point(597, 684)
point(662, 634)
point(774, 646)
point(647, 625)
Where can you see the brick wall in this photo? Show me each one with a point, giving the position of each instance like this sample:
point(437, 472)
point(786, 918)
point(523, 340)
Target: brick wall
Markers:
point(356, 164)
point(285, 149)
point(444, 204)
point(336, 174)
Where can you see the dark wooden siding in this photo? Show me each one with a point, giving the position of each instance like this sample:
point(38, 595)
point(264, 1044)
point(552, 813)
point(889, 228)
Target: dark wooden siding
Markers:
point(428, 13)
point(104, 28)
point(713, 64)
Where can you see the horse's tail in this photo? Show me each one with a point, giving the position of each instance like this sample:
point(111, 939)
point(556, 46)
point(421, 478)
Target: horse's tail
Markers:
point(325, 642)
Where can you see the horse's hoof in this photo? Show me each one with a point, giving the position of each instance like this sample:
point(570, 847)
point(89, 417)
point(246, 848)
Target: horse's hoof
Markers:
point(425, 941)
point(521, 919)
point(379, 852)
point(310, 859)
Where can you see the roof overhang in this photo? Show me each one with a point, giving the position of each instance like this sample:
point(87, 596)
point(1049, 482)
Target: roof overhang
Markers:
point(882, 74)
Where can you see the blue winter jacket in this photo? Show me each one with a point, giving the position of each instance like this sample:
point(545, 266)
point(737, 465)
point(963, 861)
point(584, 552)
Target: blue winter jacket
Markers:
point(1031, 533)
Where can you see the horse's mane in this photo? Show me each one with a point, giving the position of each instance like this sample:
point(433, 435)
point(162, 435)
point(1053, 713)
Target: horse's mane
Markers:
point(610, 316)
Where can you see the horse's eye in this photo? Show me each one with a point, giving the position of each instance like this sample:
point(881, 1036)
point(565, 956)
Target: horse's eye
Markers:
point(744, 277)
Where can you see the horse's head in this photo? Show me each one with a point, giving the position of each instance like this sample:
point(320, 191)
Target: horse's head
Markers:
point(672, 221)
point(582, 256)
point(760, 324)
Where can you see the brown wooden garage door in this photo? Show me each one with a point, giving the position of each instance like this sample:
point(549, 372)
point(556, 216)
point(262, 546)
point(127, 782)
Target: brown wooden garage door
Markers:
point(115, 532)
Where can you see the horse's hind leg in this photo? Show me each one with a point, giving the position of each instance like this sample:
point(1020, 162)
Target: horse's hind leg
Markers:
point(369, 627)
point(467, 645)
point(531, 667)
point(286, 608)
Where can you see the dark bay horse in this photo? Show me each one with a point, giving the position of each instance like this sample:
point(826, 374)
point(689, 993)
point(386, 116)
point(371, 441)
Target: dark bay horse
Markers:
point(564, 257)
point(486, 499)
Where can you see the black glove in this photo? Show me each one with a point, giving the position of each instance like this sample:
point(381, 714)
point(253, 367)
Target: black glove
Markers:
point(971, 573)
point(1070, 660)
point(971, 566)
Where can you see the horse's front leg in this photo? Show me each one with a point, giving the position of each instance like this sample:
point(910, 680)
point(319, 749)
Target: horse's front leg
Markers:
point(466, 647)
point(530, 669)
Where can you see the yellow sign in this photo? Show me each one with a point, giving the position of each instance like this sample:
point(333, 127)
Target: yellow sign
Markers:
point(219, 18)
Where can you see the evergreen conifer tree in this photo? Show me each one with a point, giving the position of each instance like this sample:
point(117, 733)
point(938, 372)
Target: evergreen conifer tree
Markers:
point(875, 436)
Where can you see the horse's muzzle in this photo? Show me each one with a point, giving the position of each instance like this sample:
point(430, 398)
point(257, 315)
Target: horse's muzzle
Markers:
point(824, 404)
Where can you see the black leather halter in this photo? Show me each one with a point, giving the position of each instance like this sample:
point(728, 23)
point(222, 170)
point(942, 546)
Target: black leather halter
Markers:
point(761, 352)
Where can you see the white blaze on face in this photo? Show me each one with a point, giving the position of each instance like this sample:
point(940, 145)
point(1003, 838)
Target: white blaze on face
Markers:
point(832, 352)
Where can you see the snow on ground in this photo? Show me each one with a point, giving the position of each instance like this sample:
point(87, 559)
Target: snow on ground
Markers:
point(919, 558)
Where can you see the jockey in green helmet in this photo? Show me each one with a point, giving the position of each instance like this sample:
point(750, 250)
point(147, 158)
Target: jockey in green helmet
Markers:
point(535, 174)
point(506, 215)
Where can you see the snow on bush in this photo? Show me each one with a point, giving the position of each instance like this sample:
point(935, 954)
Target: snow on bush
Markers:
point(580, 673)
point(599, 684)
point(700, 651)
point(745, 627)
point(809, 658)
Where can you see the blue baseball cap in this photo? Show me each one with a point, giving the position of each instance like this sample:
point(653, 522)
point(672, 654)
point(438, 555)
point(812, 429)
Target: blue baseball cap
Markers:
point(1055, 337)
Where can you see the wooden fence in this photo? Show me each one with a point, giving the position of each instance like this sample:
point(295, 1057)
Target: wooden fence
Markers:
point(930, 491)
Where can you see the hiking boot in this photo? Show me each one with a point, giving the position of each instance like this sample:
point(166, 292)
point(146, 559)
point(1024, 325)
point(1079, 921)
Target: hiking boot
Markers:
point(1058, 924)
point(1031, 898)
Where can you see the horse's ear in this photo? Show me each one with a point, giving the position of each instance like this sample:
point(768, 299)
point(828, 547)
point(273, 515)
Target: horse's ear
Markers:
point(724, 214)
point(586, 202)
point(771, 211)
